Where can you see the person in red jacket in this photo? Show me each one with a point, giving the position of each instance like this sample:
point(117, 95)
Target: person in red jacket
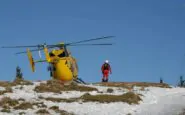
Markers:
point(105, 71)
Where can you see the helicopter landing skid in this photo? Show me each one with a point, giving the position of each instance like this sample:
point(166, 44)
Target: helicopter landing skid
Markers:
point(79, 80)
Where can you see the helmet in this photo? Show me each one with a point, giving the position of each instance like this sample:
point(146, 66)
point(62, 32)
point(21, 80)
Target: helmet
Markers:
point(106, 61)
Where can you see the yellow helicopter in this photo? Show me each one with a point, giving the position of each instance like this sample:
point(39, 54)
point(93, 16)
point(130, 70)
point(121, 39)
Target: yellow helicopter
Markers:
point(62, 65)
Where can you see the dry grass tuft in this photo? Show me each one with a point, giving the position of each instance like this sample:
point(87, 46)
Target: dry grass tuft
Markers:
point(74, 87)
point(22, 113)
point(55, 108)
point(60, 99)
point(62, 112)
point(8, 85)
point(5, 84)
point(6, 107)
point(110, 90)
point(115, 84)
point(19, 81)
point(145, 84)
point(21, 99)
point(42, 112)
point(5, 110)
point(6, 101)
point(7, 90)
point(28, 105)
point(40, 105)
point(130, 98)
point(56, 87)
point(51, 86)
point(24, 106)
point(130, 85)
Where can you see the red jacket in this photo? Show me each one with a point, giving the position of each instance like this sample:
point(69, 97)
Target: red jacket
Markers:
point(106, 68)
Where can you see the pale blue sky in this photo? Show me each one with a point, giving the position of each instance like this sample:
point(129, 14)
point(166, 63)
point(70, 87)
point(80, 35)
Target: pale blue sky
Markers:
point(150, 36)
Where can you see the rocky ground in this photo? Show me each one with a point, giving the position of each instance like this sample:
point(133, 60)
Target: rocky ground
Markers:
point(115, 98)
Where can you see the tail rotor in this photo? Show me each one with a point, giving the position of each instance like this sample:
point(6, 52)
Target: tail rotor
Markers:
point(30, 58)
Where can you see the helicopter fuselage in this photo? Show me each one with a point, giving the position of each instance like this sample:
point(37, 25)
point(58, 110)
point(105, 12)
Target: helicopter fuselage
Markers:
point(63, 66)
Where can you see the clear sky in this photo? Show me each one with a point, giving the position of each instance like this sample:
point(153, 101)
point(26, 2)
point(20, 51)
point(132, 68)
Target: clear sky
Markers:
point(150, 36)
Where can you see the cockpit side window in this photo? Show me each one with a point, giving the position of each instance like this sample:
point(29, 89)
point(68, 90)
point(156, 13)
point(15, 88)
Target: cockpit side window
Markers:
point(51, 54)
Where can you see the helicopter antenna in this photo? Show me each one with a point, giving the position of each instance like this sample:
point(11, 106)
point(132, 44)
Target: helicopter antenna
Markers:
point(40, 54)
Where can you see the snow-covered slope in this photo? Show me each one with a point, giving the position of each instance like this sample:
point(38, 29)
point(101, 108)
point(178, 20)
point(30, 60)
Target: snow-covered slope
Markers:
point(155, 101)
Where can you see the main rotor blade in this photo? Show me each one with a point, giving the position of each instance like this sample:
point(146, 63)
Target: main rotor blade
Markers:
point(33, 50)
point(90, 44)
point(21, 46)
point(105, 37)
point(39, 46)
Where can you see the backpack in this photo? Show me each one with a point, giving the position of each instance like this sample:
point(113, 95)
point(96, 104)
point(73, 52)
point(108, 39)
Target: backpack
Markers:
point(105, 66)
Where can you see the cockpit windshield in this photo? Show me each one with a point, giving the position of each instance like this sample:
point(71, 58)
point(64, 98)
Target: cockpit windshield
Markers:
point(62, 55)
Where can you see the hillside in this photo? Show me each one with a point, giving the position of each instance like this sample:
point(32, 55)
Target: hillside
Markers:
point(123, 98)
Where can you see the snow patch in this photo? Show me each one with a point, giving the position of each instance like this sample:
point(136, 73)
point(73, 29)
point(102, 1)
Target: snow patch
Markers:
point(66, 94)
point(155, 100)
point(2, 89)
